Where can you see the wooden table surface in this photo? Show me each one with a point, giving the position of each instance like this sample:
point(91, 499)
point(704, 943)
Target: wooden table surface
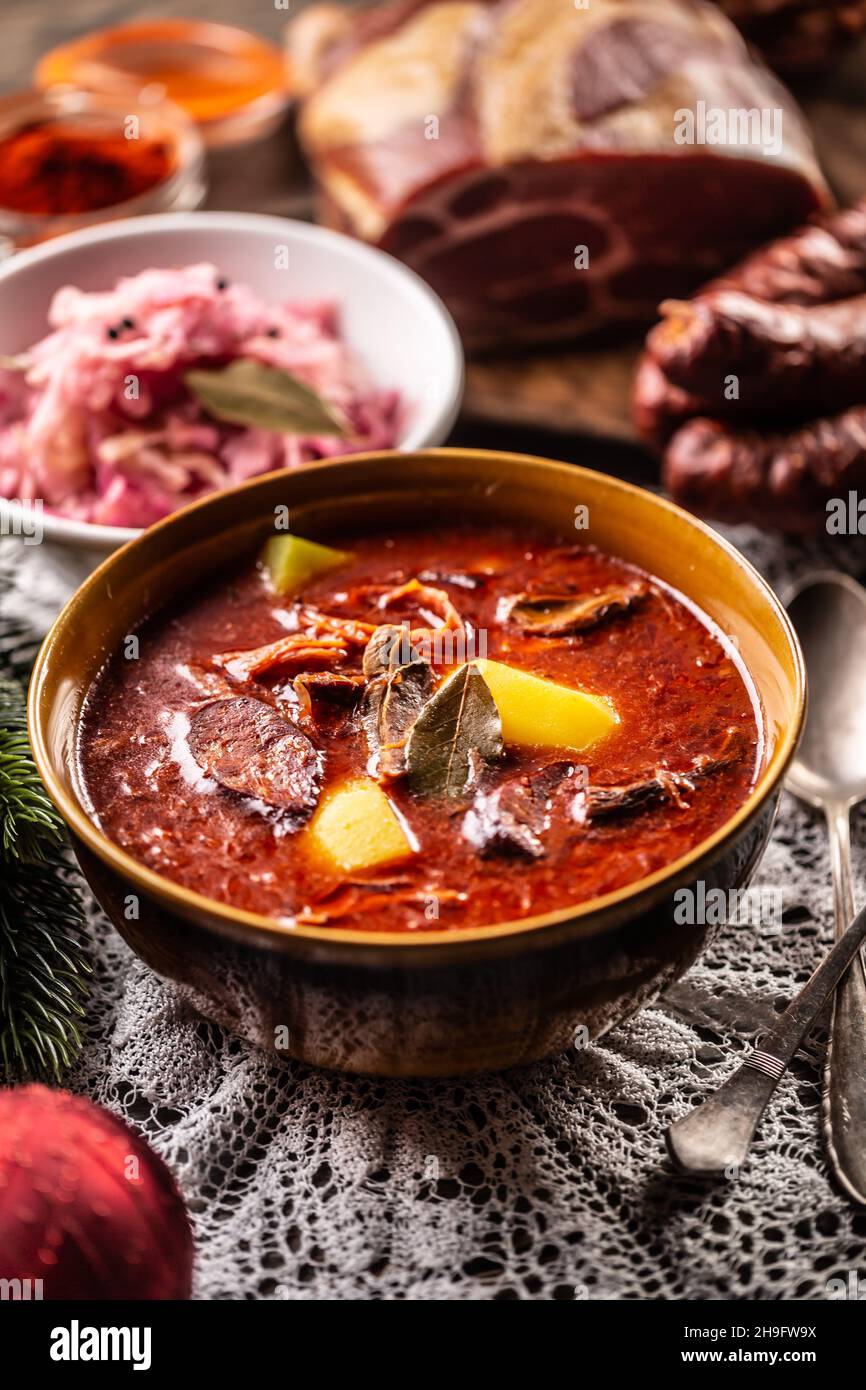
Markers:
point(581, 392)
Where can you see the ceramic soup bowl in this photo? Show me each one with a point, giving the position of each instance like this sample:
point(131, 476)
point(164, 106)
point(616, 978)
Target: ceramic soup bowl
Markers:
point(441, 1001)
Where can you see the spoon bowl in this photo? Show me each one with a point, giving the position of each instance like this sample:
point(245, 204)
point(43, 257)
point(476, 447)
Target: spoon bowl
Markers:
point(829, 612)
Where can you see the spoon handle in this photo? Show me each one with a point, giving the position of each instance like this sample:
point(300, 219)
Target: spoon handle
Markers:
point(844, 1098)
point(714, 1138)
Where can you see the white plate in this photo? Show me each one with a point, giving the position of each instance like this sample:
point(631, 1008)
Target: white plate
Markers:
point(395, 324)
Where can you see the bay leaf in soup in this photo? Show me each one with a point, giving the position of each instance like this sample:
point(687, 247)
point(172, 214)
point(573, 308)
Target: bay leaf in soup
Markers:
point(457, 729)
point(399, 683)
point(246, 392)
point(389, 647)
point(556, 615)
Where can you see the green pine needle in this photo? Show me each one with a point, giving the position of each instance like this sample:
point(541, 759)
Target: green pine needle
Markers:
point(42, 962)
point(29, 826)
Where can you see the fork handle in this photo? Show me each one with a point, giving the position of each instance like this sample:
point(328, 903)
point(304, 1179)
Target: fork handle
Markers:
point(714, 1138)
point(844, 1096)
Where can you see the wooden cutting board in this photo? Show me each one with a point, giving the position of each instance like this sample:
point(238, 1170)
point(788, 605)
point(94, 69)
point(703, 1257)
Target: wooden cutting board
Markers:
point(588, 392)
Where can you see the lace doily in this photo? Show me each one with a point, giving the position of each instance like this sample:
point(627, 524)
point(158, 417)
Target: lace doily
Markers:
point(546, 1182)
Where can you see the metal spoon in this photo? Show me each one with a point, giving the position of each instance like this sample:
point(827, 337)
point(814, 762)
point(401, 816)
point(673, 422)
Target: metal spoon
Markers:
point(829, 772)
point(714, 1138)
point(829, 612)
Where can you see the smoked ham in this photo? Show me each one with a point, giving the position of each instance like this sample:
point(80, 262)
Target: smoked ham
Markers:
point(531, 159)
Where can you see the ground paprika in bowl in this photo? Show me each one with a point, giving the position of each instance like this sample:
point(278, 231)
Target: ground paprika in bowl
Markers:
point(70, 158)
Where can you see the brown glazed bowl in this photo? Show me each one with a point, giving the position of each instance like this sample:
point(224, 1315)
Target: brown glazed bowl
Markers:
point(440, 1002)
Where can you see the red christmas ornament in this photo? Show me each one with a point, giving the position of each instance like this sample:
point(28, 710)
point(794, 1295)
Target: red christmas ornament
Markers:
point(86, 1206)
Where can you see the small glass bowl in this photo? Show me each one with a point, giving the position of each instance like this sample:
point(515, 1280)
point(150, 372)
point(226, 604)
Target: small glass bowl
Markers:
point(182, 189)
point(232, 83)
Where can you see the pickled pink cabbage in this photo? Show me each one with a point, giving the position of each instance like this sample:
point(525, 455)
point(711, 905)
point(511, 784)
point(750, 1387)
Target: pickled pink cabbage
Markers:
point(96, 421)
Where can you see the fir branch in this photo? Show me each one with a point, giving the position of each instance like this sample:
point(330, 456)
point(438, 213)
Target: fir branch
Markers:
point(18, 645)
point(29, 825)
point(42, 963)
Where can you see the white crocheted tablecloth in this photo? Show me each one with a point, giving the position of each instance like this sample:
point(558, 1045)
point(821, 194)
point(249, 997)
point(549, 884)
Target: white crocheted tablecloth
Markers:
point(546, 1182)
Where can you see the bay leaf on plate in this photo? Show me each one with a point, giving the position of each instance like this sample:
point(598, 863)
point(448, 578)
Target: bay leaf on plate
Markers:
point(555, 615)
point(246, 392)
point(457, 729)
